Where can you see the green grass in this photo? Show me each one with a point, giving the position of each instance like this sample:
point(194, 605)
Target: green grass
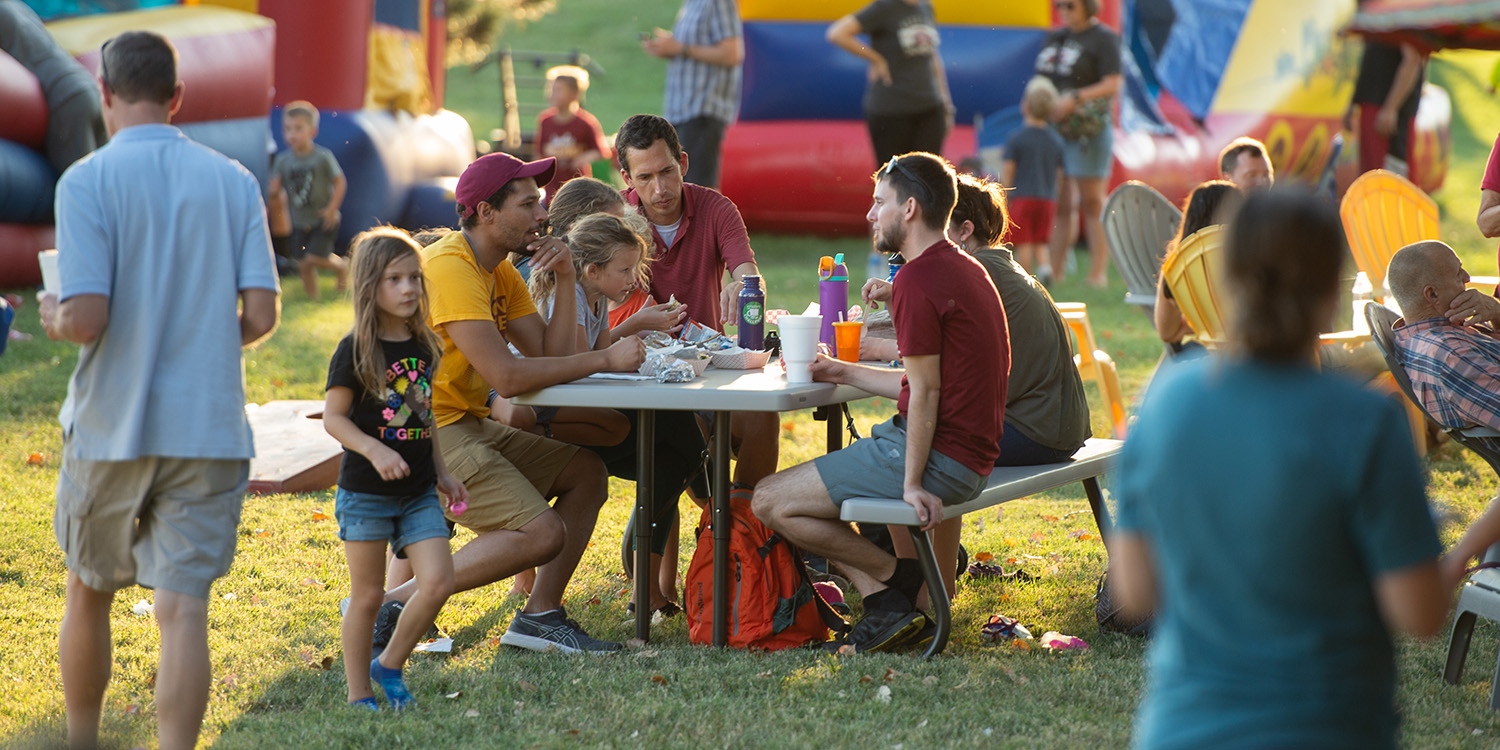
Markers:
point(274, 618)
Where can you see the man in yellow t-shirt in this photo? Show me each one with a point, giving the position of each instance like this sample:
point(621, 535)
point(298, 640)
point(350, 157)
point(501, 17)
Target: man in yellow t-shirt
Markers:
point(478, 305)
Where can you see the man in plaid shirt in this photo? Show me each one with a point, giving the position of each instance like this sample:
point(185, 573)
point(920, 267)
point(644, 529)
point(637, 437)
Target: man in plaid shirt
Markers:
point(1446, 340)
point(1448, 345)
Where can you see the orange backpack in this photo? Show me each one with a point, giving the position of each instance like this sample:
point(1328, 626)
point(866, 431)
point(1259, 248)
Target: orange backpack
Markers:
point(772, 602)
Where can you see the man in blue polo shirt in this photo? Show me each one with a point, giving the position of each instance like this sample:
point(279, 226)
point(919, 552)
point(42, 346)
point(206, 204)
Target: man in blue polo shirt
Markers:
point(166, 272)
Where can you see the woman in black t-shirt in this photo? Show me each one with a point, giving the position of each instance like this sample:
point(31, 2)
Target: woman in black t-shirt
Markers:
point(907, 104)
point(1082, 59)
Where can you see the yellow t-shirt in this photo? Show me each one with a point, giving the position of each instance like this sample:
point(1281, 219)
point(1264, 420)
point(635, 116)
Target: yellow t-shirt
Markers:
point(458, 289)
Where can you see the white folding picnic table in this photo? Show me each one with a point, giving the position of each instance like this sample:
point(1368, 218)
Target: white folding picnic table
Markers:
point(717, 391)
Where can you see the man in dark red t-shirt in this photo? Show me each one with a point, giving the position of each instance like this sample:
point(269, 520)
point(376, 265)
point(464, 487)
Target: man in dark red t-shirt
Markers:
point(697, 235)
point(943, 441)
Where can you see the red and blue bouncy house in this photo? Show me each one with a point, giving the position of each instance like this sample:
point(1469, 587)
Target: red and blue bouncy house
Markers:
point(799, 159)
point(375, 71)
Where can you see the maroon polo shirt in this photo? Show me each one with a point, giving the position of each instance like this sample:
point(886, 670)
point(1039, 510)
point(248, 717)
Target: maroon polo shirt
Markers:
point(949, 307)
point(710, 240)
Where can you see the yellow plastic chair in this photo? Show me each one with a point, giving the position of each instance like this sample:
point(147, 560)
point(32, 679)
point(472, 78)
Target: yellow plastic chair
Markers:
point(1192, 272)
point(1094, 363)
point(1383, 212)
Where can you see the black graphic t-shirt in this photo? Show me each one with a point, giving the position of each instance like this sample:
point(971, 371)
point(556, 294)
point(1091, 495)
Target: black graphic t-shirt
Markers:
point(401, 417)
point(1077, 59)
point(907, 37)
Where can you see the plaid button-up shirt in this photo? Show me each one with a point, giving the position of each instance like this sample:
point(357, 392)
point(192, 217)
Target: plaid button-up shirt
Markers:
point(700, 89)
point(1454, 370)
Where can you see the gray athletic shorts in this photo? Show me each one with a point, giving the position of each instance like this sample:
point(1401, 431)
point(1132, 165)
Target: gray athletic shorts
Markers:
point(876, 467)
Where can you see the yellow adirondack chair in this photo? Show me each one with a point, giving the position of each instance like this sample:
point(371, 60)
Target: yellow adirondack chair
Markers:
point(1192, 272)
point(1383, 212)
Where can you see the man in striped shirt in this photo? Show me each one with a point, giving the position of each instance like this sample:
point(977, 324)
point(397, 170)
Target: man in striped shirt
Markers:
point(704, 50)
point(1446, 341)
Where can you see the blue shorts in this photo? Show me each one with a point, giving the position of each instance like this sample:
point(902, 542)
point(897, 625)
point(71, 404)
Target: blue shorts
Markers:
point(364, 517)
point(876, 467)
point(1092, 157)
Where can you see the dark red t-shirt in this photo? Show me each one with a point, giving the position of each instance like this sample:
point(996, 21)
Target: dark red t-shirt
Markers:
point(566, 139)
point(944, 303)
point(710, 239)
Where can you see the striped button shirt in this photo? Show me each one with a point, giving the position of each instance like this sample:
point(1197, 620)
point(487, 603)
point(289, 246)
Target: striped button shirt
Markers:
point(699, 89)
point(1454, 370)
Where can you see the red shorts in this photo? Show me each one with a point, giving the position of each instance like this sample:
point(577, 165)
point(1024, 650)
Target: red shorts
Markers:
point(1032, 219)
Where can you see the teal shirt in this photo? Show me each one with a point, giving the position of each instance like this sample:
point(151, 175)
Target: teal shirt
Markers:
point(1271, 498)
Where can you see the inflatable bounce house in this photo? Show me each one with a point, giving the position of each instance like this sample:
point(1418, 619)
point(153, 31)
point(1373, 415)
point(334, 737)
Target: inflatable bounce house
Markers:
point(374, 69)
point(1197, 75)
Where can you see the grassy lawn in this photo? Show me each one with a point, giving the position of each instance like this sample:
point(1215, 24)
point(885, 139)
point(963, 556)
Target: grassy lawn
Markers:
point(274, 631)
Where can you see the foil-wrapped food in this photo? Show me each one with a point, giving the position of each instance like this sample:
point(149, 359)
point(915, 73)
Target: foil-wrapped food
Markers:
point(678, 366)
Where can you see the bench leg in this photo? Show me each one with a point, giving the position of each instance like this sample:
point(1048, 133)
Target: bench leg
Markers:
point(1458, 647)
point(1096, 504)
point(937, 593)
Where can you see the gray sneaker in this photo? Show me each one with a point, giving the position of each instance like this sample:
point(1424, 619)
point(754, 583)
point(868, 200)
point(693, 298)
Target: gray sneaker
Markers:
point(553, 631)
point(385, 625)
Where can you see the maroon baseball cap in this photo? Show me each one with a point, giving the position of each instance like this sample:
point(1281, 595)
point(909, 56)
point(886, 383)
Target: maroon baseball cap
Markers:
point(487, 174)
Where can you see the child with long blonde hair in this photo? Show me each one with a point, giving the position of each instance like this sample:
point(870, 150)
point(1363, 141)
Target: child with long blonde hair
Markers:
point(609, 255)
point(379, 406)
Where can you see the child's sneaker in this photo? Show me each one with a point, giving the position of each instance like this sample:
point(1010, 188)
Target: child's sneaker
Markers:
point(552, 630)
point(391, 682)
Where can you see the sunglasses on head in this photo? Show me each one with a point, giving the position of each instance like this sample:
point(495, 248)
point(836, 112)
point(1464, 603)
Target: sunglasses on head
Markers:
point(894, 165)
point(103, 64)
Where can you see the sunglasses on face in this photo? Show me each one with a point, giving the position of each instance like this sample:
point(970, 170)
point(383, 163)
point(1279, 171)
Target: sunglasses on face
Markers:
point(894, 165)
point(1065, 6)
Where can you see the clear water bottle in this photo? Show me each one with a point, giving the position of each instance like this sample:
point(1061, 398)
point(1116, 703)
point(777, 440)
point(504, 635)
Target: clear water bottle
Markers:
point(1362, 294)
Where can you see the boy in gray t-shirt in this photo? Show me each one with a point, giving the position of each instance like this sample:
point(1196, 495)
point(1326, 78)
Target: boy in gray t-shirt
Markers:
point(315, 187)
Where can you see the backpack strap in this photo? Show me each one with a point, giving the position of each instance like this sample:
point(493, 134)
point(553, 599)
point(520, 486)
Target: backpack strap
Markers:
point(826, 613)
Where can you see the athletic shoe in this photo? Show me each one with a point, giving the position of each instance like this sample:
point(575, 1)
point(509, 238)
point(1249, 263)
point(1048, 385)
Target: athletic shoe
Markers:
point(385, 625)
point(885, 630)
point(553, 631)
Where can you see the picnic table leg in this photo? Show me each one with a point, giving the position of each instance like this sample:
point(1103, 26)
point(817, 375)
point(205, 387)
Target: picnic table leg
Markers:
point(830, 414)
point(937, 593)
point(720, 522)
point(1096, 504)
point(645, 468)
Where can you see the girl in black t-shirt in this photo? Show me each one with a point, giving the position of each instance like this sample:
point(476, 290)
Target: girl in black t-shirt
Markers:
point(379, 405)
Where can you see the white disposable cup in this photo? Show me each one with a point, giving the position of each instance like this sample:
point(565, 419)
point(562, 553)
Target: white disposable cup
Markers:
point(799, 345)
point(50, 282)
point(798, 372)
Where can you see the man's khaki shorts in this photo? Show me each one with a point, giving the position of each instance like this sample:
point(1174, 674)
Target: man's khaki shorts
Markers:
point(164, 523)
point(507, 471)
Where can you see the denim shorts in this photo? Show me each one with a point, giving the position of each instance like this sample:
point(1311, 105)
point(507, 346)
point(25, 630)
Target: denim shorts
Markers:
point(1091, 157)
point(364, 517)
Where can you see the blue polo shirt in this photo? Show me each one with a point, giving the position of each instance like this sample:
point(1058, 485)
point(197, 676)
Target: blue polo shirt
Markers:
point(170, 231)
point(1271, 497)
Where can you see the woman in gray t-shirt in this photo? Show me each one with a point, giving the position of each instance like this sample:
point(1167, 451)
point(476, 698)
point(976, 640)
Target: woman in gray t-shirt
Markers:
point(907, 104)
point(1082, 59)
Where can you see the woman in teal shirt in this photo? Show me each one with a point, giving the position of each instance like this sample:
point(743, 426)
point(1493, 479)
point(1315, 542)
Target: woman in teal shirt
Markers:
point(1274, 516)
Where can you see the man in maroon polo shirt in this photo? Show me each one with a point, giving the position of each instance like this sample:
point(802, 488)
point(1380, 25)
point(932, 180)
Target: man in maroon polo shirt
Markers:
point(698, 235)
point(943, 441)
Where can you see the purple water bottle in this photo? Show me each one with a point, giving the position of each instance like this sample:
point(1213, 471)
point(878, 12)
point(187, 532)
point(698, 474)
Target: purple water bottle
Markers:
point(833, 296)
point(752, 324)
